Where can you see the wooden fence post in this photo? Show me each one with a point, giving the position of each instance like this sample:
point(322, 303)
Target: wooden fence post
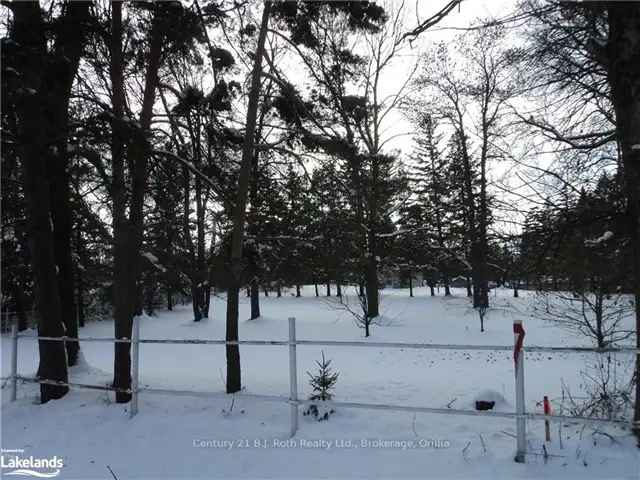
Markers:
point(293, 377)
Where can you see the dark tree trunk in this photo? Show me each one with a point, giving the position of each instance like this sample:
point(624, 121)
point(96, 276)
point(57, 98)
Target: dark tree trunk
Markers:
point(80, 302)
point(266, 291)
point(169, 299)
point(298, 290)
point(328, 289)
point(623, 71)
point(476, 289)
point(58, 169)
point(139, 299)
point(20, 307)
point(279, 290)
point(122, 302)
point(447, 288)
point(127, 232)
point(469, 292)
point(61, 218)
point(207, 293)
point(431, 290)
point(371, 274)
point(38, 133)
point(410, 285)
point(316, 287)
point(239, 212)
point(234, 380)
point(201, 258)
point(191, 248)
point(479, 275)
point(79, 279)
point(338, 290)
point(195, 301)
point(372, 287)
point(255, 299)
point(53, 361)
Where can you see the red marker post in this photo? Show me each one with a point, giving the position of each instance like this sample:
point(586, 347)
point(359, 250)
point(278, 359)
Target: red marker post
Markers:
point(547, 411)
point(518, 359)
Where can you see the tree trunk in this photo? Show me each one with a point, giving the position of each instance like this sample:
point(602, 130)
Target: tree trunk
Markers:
point(61, 211)
point(38, 114)
point(372, 287)
point(279, 290)
point(195, 301)
point(298, 290)
point(338, 290)
point(122, 304)
point(328, 289)
point(54, 73)
point(432, 292)
point(79, 279)
point(411, 286)
point(447, 288)
point(53, 361)
point(239, 212)
point(69, 49)
point(469, 292)
point(232, 351)
point(371, 275)
point(479, 275)
point(127, 232)
point(255, 299)
point(623, 70)
point(207, 294)
point(316, 287)
point(20, 307)
point(191, 254)
point(200, 231)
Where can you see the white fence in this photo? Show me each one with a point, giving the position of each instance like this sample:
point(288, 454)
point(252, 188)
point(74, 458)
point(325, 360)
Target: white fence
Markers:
point(519, 350)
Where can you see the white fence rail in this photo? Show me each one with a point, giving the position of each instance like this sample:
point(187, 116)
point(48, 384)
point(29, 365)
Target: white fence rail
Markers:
point(520, 415)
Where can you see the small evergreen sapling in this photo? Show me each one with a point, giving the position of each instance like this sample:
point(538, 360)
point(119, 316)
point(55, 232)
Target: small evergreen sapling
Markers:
point(323, 382)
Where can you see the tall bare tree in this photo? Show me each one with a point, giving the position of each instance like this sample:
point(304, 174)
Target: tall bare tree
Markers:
point(468, 86)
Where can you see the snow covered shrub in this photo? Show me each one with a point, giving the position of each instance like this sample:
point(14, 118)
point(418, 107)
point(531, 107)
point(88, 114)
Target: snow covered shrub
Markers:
point(322, 383)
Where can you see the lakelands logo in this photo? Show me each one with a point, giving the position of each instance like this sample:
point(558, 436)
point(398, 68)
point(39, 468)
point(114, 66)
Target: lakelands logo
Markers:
point(14, 464)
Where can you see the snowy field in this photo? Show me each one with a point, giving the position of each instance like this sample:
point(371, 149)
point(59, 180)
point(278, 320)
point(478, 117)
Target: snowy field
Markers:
point(186, 437)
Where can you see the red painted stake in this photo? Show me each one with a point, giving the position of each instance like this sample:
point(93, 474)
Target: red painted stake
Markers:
point(547, 411)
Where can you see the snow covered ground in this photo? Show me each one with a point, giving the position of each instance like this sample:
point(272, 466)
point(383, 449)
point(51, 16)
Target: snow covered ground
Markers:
point(193, 437)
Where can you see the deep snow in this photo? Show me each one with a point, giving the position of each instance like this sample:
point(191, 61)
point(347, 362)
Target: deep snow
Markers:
point(189, 437)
